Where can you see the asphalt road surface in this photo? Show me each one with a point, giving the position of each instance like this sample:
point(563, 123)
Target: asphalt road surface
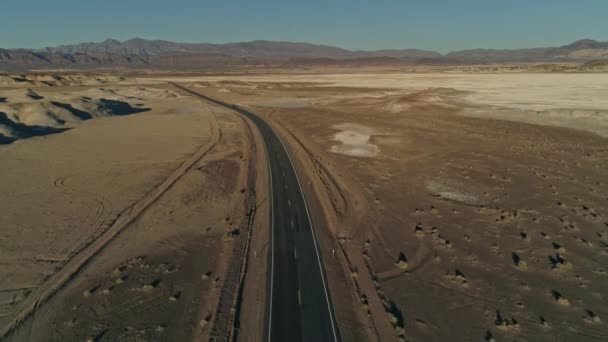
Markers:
point(299, 305)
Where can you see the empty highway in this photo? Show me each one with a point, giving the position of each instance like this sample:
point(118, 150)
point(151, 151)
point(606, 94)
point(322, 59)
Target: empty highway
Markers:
point(298, 301)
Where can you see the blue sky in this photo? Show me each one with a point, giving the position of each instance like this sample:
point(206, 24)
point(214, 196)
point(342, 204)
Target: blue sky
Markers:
point(431, 24)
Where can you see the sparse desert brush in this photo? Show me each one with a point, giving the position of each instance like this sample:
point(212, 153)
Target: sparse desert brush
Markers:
point(402, 261)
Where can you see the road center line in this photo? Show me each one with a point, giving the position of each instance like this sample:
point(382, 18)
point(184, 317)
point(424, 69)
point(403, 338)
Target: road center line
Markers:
point(299, 297)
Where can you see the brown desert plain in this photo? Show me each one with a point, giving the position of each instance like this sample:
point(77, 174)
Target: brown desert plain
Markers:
point(459, 206)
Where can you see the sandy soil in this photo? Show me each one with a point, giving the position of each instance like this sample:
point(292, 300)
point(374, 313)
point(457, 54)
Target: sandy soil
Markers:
point(127, 225)
point(566, 100)
point(536, 91)
point(453, 227)
point(460, 206)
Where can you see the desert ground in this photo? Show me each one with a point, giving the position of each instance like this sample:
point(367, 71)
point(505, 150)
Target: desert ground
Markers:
point(122, 226)
point(450, 206)
point(470, 207)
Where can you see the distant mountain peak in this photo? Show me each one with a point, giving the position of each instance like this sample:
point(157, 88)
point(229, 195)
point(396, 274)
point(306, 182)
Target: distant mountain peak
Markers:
point(137, 40)
point(583, 44)
point(584, 41)
point(110, 41)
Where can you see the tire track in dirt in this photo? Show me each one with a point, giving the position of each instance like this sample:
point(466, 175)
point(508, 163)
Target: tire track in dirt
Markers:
point(101, 213)
point(59, 183)
point(124, 219)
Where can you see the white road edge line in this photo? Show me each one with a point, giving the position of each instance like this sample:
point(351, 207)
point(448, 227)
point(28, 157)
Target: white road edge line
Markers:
point(271, 230)
point(295, 253)
point(331, 317)
point(314, 237)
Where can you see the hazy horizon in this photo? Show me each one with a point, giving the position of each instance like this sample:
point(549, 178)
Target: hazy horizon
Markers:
point(355, 25)
point(304, 42)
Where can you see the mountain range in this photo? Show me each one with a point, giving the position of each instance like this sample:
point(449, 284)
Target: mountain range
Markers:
point(142, 53)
